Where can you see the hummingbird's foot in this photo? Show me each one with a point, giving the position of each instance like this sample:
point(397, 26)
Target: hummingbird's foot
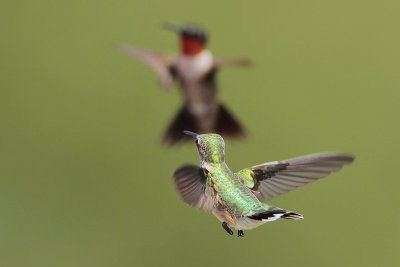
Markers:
point(240, 233)
point(227, 229)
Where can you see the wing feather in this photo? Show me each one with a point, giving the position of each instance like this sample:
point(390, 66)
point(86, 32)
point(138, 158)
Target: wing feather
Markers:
point(275, 178)
point(162, 64)
point(191, 183)
point(224, 62)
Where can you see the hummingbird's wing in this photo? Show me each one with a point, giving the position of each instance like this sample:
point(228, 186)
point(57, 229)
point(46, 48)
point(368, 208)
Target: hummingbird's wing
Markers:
point(193, 187)
point(224, 62)
point(275, 178)
point(162, 64)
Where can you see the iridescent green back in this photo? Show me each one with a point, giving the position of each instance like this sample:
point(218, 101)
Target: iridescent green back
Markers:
point(237, 197)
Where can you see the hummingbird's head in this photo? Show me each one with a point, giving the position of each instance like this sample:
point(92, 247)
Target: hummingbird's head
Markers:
point(193, 37)
point(211, 147)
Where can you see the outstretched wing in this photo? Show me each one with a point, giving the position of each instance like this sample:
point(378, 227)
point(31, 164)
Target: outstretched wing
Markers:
point(275, 178)
point(193, 187)
point(224, 62)
point(162, 64)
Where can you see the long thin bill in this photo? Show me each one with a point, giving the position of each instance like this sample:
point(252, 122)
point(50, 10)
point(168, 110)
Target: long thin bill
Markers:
point(172, 27)
point(191, 133)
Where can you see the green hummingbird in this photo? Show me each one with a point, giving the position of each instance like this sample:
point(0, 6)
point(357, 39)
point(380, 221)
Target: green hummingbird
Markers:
point(237, 199)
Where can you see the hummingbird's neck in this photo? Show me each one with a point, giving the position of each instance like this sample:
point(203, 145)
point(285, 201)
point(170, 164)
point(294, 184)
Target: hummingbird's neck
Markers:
point(215, 157)
point(211, 165)
point(191, 46)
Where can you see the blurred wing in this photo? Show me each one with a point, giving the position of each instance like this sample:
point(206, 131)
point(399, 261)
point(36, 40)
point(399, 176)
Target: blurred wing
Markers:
point(162, 64)
point(191, 183)
point(223, 62)
point(275, 178)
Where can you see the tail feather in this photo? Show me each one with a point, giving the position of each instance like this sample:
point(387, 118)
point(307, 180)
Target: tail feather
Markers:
point(293, 216)
point(182, 121)
point(272, 215)
point(221, 122)
point(227, 124)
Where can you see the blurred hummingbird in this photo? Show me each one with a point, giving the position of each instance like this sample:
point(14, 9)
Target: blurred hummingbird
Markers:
point(236, 199)
point(195, 70)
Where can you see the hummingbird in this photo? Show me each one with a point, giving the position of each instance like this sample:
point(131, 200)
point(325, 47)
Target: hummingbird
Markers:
point(194, 69)
point(237, 199)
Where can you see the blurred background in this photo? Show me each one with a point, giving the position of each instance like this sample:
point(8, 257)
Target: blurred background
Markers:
point(85, 181)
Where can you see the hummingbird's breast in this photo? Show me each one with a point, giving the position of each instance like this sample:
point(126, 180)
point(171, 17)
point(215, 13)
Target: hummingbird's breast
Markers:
point(197, 79)
point(193, 68)
point(196, 76)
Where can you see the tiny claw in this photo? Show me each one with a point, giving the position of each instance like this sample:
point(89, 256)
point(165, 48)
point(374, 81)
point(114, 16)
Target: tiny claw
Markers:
point(227, 229)
point(240, 233)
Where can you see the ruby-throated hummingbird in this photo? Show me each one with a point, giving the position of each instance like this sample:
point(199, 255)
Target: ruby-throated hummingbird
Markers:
point(236, 199)
point(195, 69)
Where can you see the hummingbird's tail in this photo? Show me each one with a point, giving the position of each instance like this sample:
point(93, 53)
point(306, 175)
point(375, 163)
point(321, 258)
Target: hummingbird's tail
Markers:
point(227, 125)
point(219, 121)
point(292, 216)
point(182, 121)
point(272, 215)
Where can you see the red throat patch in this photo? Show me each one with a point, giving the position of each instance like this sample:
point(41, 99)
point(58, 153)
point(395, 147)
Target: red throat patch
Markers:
point(191, 46)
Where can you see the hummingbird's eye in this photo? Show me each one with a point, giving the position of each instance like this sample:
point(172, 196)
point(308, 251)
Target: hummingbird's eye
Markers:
point(197, 142)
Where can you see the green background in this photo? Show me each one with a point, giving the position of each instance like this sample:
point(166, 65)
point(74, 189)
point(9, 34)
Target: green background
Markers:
point(85, 181)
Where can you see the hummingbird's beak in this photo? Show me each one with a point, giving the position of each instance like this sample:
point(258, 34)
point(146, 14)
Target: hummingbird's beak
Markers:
point(191, 133)
point(172, 27)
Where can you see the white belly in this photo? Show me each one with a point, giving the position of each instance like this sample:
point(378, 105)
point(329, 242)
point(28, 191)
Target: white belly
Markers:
point(194, 68)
